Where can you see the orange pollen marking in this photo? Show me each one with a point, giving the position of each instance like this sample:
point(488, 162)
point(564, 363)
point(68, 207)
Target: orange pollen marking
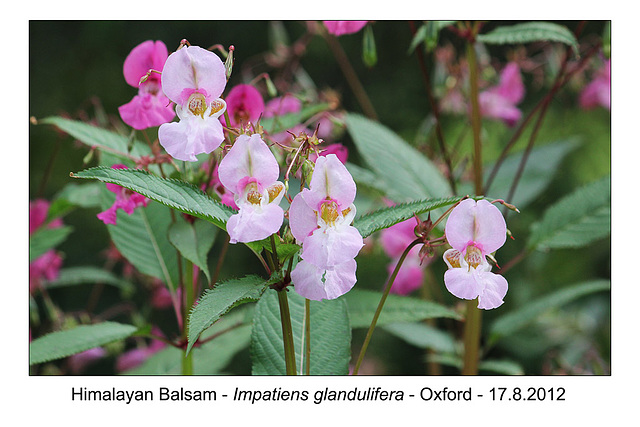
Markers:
point(454, 258)
point(473, 256)
point(274, 191)
point(253, 195)
point(197, 104)
point(329, 212)
point(346, 212)
point(217, 106)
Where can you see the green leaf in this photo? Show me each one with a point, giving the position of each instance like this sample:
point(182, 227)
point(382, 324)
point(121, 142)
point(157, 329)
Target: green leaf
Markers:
point(46, 238)
point(57, 345)
point(173, 193)
point(281, 123)
point(72, 276)
point(216, 302)
point(386, 217)
point(142, 239)
point(542, 165)
point(422, 336)
point(575, 220)
point(514, 320)
point(529, 32)
point(363, 303)
point(85, 195)
point(404, 171)
point(194, 241)
point(102, 139)
point(330, 335)
point(428, 33)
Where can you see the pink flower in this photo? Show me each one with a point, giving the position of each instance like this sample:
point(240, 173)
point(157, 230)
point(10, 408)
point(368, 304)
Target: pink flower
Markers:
point(250, 171)
point(395, 240)
point(475, 230)
point(282, 105)
point(149, 107)
point(46, 266)
point(598, 92)
point(226, 197)
point(194, 79)
point(320, 218)
point(126, 200)
point(339, 28)
point(244, 105)
point(338, 149)
point(499, 102)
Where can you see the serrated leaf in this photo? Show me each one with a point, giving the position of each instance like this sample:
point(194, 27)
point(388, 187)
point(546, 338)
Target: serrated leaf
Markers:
point(57, 345)
point(281, 123)
point(173, 193)
point(102, 139)
point(575, 220)
point(194, 241)
point(405, 172)
point(330, 336)
point(142, 239)
point(514, 320)
point(386, 217)
point(530, 32)
point(72, 276)
point(215, 302)
point(45, 239)
point(363, 303)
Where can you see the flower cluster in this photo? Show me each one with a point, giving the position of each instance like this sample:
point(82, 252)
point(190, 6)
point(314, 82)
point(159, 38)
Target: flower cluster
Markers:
point(395, 240)
point(475, 230)
point(320, 219)
point(598, 92)
point(46, 266)
point(126, 200)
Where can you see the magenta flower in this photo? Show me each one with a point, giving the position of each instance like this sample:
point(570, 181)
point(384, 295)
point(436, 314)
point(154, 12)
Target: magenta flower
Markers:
point(598, 92)
point(499, 102)
point(338, 149)
point(339, 28)
point(194, 79)
point(395, 240)
point(46, 266)
point(475, 230)
point(149, 107)
point(250, 171)
point(135, 357)
point(126, 200)
point(80, 361)
point(244, 105)
point(320, 218)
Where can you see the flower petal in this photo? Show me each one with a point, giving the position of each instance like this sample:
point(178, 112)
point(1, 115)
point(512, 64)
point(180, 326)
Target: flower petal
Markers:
point(316, 283)
point(491, 230)
point(330, 180)
point(462, 283)
point(332, 246)
point(339, 28)
point(190, 136)
point(148, 55)
point(190, 69)
point(479, 223)
point(145, 111)
point(302, 218)
point(494, 290)
point(253, 224)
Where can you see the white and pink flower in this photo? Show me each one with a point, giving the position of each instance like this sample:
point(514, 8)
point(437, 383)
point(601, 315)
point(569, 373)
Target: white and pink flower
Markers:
point(193, 78)
point(475, 230)
point(126, 199)
point(250, 171)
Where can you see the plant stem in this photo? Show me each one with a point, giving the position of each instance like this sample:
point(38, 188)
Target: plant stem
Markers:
point(287, 333)
point(307, 335)
point(350, 75)
point(473, 319)
point(187, 289)
point(385, 294)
